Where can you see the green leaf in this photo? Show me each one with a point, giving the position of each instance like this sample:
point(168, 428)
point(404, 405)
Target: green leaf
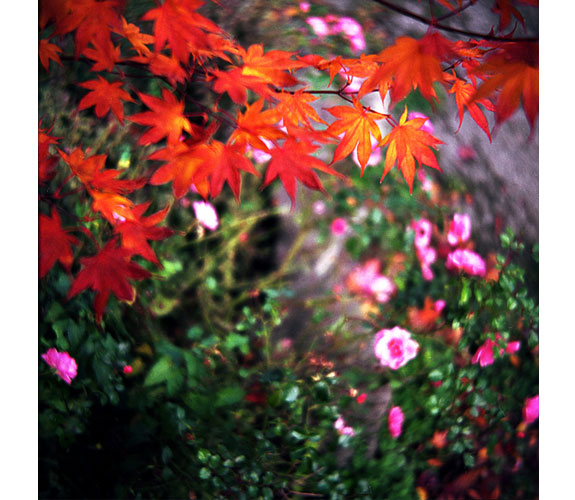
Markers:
point(291, 394)
point(234, 340)
point(229, 396)
point(160, 372)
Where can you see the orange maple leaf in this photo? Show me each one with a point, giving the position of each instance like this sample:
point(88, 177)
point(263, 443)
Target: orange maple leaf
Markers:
point(514, 69)
point(138, 230)
point(293, 161)
point(236, 84)
point(464, 93)
point(162, 65)
point(270, 67)
point(105, 96)
point(108, 272)
point(408, 143)
point(47, 52)
point(54, 243)
point(294, 109)
point(410, 64)
point(357, 124)
point(255, 125)
point(166, 118)
point(138, 40)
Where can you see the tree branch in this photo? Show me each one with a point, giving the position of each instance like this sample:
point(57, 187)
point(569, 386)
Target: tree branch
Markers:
point(472, 34)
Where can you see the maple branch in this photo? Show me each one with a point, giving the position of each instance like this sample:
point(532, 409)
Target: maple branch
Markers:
point(443, 27)
point(455, 12)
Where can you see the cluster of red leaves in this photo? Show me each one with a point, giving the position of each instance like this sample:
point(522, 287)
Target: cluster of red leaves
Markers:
point(268, 107)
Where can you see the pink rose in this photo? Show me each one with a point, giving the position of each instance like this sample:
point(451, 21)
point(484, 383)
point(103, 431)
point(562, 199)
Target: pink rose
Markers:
point(304, 6)
point(348, 25)
point(459, 229)
point(485, 354)
point(374, 158)
point(357, 42)
point(318, 25)
point(466, 260)
point(382, 287)
point(395, 347)
point(395, 421)
point(339, 226)
point(439, 305)
point(423, 229)
point(343, 429)
point(206, 214)
point(319, 207)
point(63, 363)
point(427, 126)
point(531, 410)
point(366, 279)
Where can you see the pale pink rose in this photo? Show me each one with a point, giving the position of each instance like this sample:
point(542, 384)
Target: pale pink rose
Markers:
point(63, 363)
point(427, 126)
point(423, 229)
point(374, 158)
point(382, 287)
point(319, 207)
point(348, 25)
point(357, 42)
point(343, 429)
point(362, 277)
point(206, 214)
point(427, 272)
point(339, 226)
point(426, 183)
point(466, 260)
point(304, 6)
point(395, 421)
point(426, 256)
point(395, 347)
point(531, 410)
point(459, 229)
point(318, 26)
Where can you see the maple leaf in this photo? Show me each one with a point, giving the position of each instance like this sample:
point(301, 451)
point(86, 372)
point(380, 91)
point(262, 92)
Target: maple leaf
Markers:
point(357, 124)
point(505, 10)
point(137, 230)
point(227, 161)
point(49, 52)
point(108, 272)
point(90, 171)
point(236, 84)
point(105, 96)
point(270, 67)
point(112, 206)
point(54, 243)
point(93, 21)
point(166, 118)
point(104, 53)
point(408, 143)
point(412, 64)
point(464, 93)
point(186, 165)
point(138, 40)
point(177, 23)
point(255, 125)
point(162, 65)
point(514, 69)
point(292, 162)
point(294, 109)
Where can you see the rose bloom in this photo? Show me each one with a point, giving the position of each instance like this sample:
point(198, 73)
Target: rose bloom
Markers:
point(382, 287)
point(459, 229)
point(423, 229)
point(304, 6)
point(318, 25)
point(63, 363)
point(206, 214)
point(395, 347)
point(531, 410)
point(466, 260)
point(485, 354)
point(339, 226)
point(319, 207)
point(427, 126)
point(395, 421)
point(343, 429)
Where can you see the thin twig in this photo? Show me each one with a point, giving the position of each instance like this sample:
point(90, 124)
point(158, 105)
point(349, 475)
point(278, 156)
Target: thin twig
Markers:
point(472, 34)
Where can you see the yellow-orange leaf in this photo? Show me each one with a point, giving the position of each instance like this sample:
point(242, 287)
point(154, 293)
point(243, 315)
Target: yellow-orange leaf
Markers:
point(407, 143)
point(357, 124)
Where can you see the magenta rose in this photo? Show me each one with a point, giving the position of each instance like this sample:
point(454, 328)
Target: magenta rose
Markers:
point(395, 347)
point(395, 421)
point(63, 363)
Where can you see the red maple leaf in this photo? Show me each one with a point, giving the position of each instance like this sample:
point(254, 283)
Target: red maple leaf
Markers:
point(270, 67)
point(138, 230)
point(54, 243)
point(292, 162)
point(46, 161)
point(105, 96)
point(227, 161)
point(47, 52)
point(108, 272)
point(294, 109)
point(166, 118)
point(407, 143)
point(236, 84)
